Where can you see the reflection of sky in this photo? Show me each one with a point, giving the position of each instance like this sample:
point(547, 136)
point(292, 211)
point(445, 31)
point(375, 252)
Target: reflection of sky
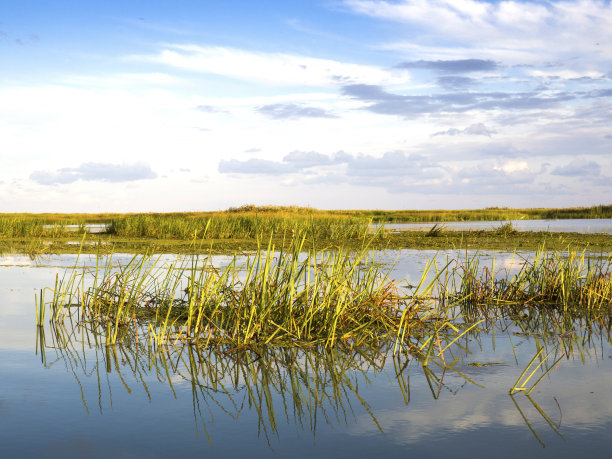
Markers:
point(463, 416)
point(580, 388)
point(601, 225)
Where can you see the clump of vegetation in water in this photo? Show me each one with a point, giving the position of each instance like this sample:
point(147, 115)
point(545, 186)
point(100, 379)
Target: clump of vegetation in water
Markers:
point(287, 298)
point(566, 282)
point(239, 226)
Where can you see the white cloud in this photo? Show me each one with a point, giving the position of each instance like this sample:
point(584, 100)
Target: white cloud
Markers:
point(513, 166)
point(514, 30)
point(276, 69)
point(103, 172)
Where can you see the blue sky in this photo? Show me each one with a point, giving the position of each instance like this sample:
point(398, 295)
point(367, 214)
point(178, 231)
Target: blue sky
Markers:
point(202, 105)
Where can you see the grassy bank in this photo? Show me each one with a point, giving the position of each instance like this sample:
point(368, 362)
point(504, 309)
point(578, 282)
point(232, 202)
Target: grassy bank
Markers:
point(251, 212)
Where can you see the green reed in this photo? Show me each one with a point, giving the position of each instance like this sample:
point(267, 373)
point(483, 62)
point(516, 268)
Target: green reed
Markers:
point(22, 227)
point(563, 281)
point(295, 296)
point(238, 226)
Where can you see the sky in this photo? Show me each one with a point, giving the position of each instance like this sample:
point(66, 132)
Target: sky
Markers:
point(134, 106)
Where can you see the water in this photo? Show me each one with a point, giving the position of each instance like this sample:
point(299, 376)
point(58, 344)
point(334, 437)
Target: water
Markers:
point(93, 228)
point(78, 399)
point(602, 225)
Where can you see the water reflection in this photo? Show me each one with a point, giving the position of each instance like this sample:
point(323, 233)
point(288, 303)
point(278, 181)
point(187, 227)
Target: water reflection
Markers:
point(305, 388)
point(595, 225)
point(156, 401)
point(316, 389)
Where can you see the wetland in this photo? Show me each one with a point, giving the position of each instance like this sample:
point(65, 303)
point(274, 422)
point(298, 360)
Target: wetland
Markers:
point(293, 337)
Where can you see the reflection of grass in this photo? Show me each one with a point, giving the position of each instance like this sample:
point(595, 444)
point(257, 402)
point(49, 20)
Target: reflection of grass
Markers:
point(306, 387)
point(555, 426)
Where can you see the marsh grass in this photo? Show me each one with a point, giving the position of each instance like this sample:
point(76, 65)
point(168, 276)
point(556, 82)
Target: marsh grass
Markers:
point(302, 298)
point(20, 227)
point(435, 231)
point(505, 229)
point(290, 297)
point(240, 226)
point(562, 281)
point(185, 223)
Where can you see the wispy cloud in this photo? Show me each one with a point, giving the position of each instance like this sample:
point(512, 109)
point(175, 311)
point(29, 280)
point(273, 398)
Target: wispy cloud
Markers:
point(456, 82)
point(255, 166)
point(103, 172)
point(409, 106)
point(452, 66)
point(210, 109)
point(278, 69)
point(293, 112)
point(510, 29)
point(473, 129)
point(578, 168)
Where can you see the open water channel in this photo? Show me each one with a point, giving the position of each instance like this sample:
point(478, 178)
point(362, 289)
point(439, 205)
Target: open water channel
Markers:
point(593, 225)
point(64, 395)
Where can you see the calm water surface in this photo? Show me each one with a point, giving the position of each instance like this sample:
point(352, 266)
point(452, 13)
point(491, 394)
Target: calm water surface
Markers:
point(602, 225)
point(72, 398)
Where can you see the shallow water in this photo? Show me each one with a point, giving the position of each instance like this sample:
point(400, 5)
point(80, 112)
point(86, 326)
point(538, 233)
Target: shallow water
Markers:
point(83, 400)
point(601, 225)
point(93, 228)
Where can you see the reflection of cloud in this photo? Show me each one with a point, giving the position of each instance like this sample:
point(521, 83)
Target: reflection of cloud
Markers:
point(293, 112)
point(95, 172)
point(472, 410)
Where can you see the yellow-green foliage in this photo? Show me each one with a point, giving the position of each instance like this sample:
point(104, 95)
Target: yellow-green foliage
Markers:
point(238, 226)
point(556, 280)
point(281, 298)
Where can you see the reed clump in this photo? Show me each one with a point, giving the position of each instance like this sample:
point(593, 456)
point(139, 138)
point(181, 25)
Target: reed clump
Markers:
point(239, 225)
point(18, 227)
point(291, 297)
point(562, 281)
